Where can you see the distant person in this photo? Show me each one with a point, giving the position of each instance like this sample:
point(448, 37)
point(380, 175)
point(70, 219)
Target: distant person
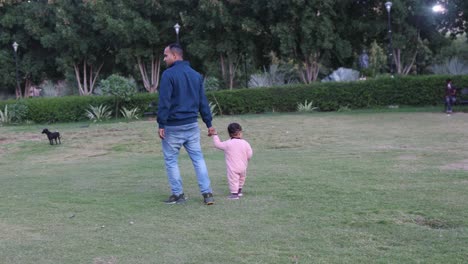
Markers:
point(181, 98)
point(364, 60)
point(237, 153)
point(450, 93)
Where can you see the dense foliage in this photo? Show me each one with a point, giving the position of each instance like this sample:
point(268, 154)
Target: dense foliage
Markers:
point(87, 40)
point(411, 91)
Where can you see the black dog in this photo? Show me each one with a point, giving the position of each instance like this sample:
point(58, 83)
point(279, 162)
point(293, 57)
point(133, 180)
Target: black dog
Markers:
point(52, 136)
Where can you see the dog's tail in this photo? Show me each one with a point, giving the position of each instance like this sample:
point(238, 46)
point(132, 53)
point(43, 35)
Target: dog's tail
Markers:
point(58, 133)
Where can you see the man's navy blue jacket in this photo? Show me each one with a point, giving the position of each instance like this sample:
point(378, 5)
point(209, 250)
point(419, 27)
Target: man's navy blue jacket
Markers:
point(182, 97)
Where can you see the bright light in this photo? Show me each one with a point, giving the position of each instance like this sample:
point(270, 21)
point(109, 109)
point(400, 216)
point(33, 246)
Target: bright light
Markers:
point(438, 9)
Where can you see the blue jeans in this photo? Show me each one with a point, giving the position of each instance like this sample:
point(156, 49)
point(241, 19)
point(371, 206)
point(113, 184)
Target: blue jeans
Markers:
point(449, 101)
point(189, 137)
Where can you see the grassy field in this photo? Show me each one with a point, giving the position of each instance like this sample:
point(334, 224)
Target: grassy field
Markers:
point(353, 187)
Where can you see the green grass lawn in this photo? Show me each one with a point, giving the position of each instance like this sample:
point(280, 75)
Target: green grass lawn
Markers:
point(352, 187)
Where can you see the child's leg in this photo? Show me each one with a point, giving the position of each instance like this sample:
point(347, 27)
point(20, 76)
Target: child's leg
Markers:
point(242, 179)
point(233, 181)
point(241, 183)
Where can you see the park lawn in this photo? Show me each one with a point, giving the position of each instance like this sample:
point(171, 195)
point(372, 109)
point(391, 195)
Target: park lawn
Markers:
point(352, 187)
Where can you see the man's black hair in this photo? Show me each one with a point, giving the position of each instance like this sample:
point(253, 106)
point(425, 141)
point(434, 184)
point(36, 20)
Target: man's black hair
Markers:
point(233, 129)
point(176, 48)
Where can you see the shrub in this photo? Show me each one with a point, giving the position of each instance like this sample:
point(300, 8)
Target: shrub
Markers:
point(120, 87)
point(18, 111)
point(129, 114)
point(453, 66)
point(275, 75)
point(330, 96)
point(306, 107)
point(211, 84)
point(5, 116)
point(98, 113)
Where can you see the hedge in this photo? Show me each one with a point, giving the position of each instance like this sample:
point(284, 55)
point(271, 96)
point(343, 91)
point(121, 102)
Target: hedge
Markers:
point(330, 96)
point(72, 108)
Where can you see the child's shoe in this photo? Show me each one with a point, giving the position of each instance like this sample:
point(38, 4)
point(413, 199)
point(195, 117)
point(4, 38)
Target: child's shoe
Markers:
point(239, 193)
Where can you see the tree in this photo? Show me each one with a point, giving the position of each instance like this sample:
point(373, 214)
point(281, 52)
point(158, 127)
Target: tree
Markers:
point(79, 42)
point(307, 33)
point(121, 88)
point(415, 30)
point(25, 22)
point(455, 17)
point(225, 35)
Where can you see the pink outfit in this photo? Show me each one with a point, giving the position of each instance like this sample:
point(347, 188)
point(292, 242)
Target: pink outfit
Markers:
point(237, 153)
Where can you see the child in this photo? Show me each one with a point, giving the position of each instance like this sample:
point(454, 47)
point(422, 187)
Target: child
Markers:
point(237, 153)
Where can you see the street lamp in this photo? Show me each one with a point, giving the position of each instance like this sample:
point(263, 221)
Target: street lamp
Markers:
point(388, 6)
point(177, 28)
point(438, 9)
point(18, 89)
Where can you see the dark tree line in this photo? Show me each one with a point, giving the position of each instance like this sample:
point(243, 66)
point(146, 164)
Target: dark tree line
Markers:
point(87, 40)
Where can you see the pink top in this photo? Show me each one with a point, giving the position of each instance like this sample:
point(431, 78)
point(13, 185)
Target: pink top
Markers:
point(236, 151)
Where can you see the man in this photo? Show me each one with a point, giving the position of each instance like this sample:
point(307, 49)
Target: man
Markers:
point(450, 92)
point(181, 98)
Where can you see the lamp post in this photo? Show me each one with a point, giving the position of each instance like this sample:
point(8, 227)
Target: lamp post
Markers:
point(177, 28)
point(388, 6)
point(18, 89)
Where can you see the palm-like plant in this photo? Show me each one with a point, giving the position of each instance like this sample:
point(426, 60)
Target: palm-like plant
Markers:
point(99, 113)
point(453, 66)
point(306, 107)
point(5, 117)
point(129, 114)
point(212, 109)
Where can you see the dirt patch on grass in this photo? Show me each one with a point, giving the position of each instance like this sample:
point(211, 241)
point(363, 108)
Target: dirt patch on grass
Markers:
point(17, 232)
point(407, 157)
point(461, 165)
point(7, 140)
point(105, 260)
point(21, 137)
point(426, 222)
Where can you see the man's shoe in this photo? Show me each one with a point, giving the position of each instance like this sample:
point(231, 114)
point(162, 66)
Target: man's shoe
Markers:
point(176, 199)
point(208, 198)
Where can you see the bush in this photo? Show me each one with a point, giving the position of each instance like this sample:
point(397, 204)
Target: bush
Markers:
point(453, 66)
point(18, 111)
point(120, 87)
point(408, 90)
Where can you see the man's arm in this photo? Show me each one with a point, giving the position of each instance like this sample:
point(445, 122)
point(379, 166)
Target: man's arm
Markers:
point(164, 100)
point(162, 133)
point(204, 107)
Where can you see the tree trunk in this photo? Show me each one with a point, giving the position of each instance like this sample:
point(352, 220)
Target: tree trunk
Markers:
point(223, 68)
point(232, 71)
point(408, 67)
point(18, 92)
point(310, 69)
point(397, 60)
point(400, 68)
point(27, 88)
point(150, 85)
point(86, 86)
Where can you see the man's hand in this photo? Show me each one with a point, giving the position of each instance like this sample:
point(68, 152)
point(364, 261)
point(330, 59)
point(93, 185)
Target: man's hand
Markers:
point(211, 131)
point(161, 133)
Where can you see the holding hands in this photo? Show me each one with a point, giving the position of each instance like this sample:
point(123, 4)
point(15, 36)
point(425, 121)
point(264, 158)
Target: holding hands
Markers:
point(212, 131)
